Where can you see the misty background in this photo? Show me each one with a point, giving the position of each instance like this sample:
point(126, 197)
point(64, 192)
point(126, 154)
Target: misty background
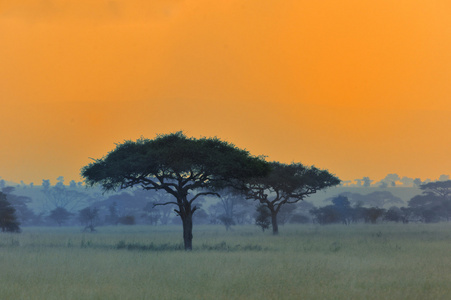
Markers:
point(394, 198)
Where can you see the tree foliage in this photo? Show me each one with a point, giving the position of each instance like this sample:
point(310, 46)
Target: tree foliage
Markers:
point(434, 204)
point(438, 188)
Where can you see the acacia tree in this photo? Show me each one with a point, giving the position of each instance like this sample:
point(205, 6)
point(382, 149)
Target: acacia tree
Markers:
point(61, 196)
point(287, 184)
point(186, 168)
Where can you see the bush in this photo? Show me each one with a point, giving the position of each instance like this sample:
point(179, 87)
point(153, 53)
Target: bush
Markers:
point(127, 220)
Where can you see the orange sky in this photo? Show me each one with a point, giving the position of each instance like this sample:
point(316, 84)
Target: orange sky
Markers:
point(361, 88)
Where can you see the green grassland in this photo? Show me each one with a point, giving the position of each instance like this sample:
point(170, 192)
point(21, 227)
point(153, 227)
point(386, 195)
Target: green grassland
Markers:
point(385, 261)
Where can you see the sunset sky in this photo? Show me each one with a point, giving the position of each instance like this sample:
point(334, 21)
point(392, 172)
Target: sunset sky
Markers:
point(361, 88)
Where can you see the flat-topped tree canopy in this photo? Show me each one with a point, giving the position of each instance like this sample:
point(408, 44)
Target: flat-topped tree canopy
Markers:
point(177, 164)
point(293, 182)
point(439, 188)
point(196, 163)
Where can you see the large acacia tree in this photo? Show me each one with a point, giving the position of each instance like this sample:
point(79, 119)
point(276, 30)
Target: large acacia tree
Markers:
point(287, 184)
point(186, 168)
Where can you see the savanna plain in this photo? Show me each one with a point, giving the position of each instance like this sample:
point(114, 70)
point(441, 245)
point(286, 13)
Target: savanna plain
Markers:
point(361, 261)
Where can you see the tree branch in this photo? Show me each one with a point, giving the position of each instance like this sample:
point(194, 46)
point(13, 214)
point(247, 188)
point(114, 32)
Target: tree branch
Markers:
point(166, 203)
point(203, 194)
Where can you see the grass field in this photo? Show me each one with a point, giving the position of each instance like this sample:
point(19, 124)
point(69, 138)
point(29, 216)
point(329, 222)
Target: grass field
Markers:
point(391, 261)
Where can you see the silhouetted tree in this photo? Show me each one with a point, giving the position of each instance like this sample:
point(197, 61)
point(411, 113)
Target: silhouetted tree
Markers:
point(440, 189)
point(89, 217)
point(430, 208)
point(8, 220)
point(343, 207)
point(395, 214)
point(372, 214)
point(435, 202)
point(63, 196)
point(339, 212)
point(60, 215)
point(24, 214)
point(326, 215)
point(287, 184)
point(184, 167)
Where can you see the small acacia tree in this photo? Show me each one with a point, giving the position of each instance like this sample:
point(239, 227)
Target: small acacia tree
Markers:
point(287, 184)
point(186, 168)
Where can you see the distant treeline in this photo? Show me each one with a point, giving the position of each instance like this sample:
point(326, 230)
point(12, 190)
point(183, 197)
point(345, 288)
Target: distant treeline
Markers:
point(74, 205)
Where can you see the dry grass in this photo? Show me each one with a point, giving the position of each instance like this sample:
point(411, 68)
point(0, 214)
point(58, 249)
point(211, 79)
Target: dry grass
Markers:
point(303, 262)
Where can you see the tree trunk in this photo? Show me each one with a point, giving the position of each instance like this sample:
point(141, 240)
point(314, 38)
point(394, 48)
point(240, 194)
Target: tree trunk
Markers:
point(275, 226)
point(187, 221)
